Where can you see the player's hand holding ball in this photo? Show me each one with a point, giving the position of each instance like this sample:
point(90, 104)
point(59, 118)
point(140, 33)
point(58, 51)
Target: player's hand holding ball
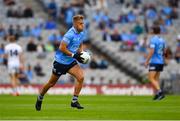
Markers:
point(82, 57)
point(78, 57)
point(86, 57)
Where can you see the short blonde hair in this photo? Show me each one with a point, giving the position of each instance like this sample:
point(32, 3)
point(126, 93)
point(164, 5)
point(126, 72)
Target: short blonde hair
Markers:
point(78, 17)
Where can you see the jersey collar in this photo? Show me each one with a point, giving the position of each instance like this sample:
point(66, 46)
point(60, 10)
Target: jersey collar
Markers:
point(75, 31)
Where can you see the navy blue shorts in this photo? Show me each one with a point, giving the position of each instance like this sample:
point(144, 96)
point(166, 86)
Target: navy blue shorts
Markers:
point(60, 69)
point(156, 67)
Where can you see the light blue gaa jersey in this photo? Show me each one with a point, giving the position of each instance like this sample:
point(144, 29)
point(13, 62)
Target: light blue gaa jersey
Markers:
point(73, 39)
point(159, 45)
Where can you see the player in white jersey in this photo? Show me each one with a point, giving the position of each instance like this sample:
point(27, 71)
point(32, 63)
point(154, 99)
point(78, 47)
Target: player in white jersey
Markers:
point(13, 53)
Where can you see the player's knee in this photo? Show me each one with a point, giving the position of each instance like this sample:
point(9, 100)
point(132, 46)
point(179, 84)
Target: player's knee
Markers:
point(80, 79)
point(151, 79)
point(51, 84)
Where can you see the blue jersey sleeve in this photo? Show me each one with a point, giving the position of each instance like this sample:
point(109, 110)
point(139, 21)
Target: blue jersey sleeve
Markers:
point(67, 38)
point(152, 43)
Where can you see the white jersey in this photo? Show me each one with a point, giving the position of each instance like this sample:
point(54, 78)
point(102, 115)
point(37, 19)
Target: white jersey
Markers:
point(13, 51)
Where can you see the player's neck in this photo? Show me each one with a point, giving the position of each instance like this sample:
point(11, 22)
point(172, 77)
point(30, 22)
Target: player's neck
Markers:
point(76, 30)
point(12, 42)
point(158, 35)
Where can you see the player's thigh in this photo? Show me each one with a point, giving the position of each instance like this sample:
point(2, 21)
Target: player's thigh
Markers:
point(152, 75)
point(53, 79)
point(12, 76)
point(77, 72)
point(12, 73)
point(157, 76)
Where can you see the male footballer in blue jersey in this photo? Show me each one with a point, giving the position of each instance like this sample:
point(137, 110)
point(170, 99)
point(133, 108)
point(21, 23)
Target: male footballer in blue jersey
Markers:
point(66, 58)
point(156, 61)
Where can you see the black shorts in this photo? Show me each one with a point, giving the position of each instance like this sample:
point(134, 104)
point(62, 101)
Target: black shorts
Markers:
point(156, 67)
point(60, 69)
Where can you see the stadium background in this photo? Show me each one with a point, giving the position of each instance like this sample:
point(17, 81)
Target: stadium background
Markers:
point(117, 33)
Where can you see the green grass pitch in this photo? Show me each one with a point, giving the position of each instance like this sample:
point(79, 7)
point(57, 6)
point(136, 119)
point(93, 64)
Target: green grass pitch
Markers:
point(96, 108)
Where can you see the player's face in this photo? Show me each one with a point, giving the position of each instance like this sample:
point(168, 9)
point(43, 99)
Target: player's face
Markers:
point(79, 25)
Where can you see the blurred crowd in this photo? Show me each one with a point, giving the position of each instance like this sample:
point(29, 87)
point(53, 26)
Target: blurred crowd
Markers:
point(141, 18)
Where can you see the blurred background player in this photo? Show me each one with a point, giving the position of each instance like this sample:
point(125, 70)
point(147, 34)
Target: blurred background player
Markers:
point(65, 61)
point(14, 53)
point(156, 61)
